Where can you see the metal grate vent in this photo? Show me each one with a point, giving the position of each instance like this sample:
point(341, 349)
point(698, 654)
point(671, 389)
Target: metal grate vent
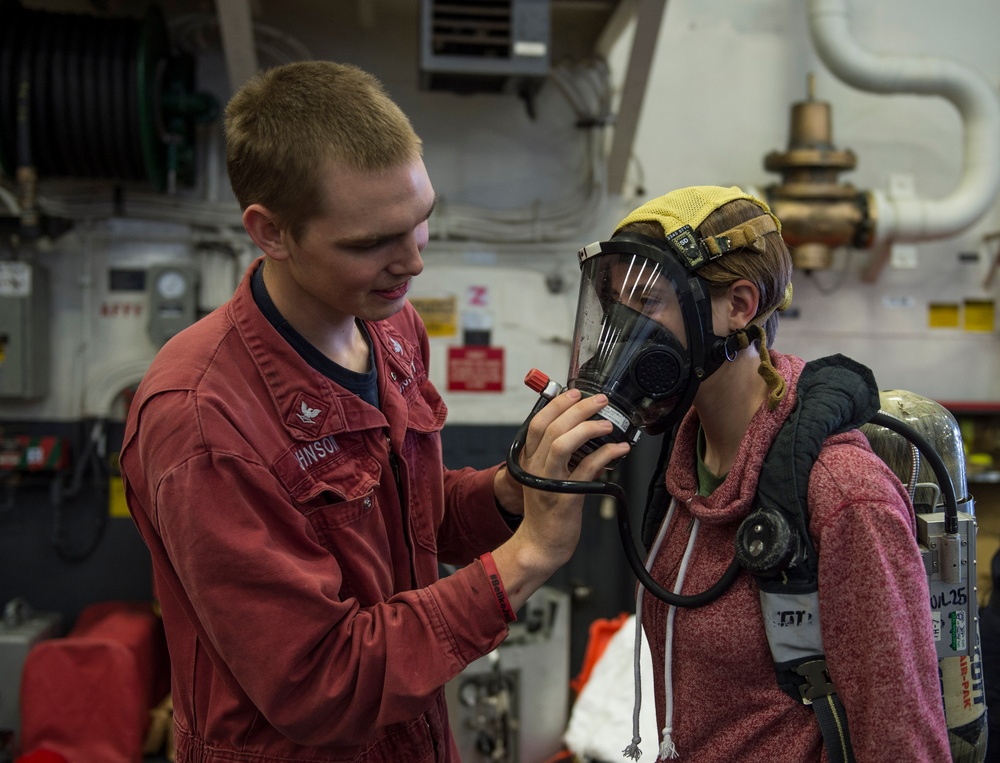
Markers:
point(481, 29)
point(484, 45)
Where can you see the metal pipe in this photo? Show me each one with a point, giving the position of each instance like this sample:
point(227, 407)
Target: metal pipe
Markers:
point(915, 219)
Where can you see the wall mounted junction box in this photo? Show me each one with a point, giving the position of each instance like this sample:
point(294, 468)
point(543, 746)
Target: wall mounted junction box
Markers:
point(24, 331)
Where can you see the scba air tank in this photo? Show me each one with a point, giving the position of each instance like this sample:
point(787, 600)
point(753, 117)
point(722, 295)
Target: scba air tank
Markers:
point(951, 563)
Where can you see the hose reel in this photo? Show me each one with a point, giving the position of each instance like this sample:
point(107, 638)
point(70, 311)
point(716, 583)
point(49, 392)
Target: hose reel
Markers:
point(88, 96)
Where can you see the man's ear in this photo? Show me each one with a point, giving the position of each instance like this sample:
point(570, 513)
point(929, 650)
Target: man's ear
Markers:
point(744, 299)
point(265, 231)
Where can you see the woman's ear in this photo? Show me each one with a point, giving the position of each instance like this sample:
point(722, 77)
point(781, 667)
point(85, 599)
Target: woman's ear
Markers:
point(743, 297)
point(262, 226)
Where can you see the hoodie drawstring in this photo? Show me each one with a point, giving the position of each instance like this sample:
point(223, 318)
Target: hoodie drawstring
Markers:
point(633, 751)
point(667, 748)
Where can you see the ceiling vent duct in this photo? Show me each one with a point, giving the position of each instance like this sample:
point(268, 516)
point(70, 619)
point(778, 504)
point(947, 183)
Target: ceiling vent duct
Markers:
point(474, 46)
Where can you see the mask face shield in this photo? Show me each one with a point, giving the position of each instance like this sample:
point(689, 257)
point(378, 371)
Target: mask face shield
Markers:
point(639, 335)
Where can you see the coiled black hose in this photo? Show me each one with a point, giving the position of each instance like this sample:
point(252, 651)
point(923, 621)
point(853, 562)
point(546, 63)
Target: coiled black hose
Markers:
point(616, 492)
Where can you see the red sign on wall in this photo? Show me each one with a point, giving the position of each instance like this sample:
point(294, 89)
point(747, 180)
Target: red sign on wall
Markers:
point(475, 369)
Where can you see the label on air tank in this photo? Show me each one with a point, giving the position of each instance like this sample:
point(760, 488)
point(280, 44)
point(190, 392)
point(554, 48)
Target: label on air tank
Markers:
point(959, 634)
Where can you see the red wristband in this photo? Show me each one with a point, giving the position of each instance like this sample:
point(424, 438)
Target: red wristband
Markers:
point(496, 585)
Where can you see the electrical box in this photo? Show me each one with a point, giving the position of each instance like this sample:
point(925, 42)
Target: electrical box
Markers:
point(24, 331)
point(173, 300)
point(484, 45)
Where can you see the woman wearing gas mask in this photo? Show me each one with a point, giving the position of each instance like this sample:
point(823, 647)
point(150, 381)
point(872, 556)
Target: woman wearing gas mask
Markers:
point(677, 316)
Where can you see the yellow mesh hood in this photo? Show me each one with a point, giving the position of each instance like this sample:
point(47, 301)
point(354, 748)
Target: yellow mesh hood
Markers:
point(689, 206)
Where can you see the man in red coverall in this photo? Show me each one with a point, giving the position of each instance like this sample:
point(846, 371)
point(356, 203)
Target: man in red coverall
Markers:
point(282, 459)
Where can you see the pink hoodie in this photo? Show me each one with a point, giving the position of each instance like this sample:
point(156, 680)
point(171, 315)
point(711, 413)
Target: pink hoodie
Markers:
point(876, 618)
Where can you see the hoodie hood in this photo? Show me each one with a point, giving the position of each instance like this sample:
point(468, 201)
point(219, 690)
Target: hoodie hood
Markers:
point(733, 499)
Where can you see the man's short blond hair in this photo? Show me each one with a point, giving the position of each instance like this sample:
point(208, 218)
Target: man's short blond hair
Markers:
point(286, 125)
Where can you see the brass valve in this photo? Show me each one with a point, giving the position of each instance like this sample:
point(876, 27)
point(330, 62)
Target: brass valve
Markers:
point(817, 212)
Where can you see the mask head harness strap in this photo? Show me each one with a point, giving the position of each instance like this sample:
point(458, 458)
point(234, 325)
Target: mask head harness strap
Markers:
point(696, 252)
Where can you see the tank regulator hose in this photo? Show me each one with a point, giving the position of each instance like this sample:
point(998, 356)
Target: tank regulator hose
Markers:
point(616, 492)
point(934, 460)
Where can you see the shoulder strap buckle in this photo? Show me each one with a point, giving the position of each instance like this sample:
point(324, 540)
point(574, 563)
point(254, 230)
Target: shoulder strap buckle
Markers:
point(817, 681)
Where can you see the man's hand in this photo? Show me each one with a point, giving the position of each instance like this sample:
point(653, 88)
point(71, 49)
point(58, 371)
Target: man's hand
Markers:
point(508, 492)
point(550, 530)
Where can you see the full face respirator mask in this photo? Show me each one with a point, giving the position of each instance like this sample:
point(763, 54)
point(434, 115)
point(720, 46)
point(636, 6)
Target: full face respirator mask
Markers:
point(644, 337)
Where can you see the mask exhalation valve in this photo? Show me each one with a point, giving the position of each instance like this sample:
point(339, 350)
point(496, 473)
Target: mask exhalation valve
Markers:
point(624, 431)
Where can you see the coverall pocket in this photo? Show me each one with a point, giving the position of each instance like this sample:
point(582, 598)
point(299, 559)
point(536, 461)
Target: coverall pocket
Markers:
point(355, 534)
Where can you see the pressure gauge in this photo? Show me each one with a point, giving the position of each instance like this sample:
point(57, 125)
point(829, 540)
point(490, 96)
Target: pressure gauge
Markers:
point(172, 283)
point(173, 301)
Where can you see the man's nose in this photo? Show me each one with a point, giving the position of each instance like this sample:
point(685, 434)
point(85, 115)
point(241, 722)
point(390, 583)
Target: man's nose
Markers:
point(409, 260)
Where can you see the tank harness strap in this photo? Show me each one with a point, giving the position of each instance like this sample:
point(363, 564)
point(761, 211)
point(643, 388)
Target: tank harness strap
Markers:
point(835, 394)
point(833, 723)
point(790, 606)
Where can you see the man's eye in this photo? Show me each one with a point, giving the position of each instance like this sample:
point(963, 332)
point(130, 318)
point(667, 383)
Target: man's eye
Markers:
point(364, 246)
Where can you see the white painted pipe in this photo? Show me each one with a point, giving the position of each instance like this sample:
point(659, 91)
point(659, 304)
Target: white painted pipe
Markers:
point(978, 104)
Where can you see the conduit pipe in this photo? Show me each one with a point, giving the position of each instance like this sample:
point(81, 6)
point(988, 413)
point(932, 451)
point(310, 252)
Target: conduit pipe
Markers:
point(978, 104)
point(104, 385)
